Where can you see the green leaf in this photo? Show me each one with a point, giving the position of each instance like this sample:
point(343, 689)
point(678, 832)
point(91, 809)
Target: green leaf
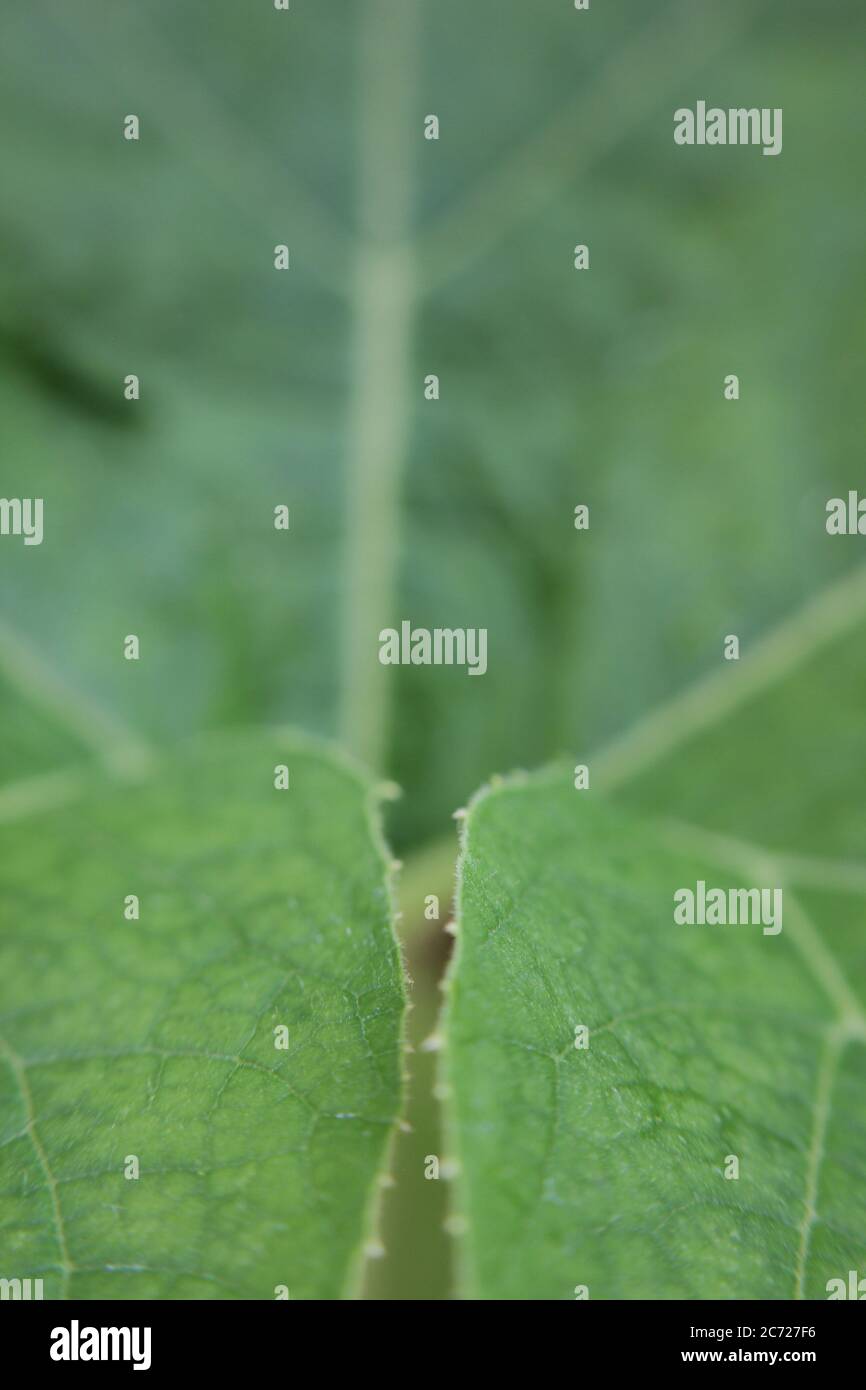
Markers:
point(305, 388)
point(156, 1037)
point(605, 1166)
point(411, 256)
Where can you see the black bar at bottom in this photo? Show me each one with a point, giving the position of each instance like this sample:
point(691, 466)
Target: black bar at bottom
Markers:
point(152, 1339)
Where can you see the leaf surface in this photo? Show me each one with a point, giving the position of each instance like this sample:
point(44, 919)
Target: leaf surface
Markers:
point(605, 1167)
point(155, 1038)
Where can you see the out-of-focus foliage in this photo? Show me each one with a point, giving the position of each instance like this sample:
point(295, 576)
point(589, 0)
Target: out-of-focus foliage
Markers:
point(558, 387)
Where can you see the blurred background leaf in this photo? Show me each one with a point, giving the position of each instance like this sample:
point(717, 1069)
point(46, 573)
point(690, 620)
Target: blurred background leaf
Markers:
point(603, 387)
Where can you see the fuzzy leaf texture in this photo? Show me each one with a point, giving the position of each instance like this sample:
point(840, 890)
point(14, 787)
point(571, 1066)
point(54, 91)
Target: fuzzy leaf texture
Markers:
point(154, 1038)
point(604, 1167)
